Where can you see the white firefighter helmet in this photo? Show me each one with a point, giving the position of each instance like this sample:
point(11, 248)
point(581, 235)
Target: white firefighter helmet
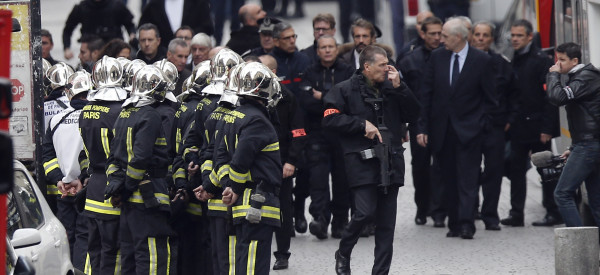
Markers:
point(276, 93)
point(78, 82)
point(129, 71)
point(58, 75)
point(149, 86)
point(232, 85)
point(222, 62)
point(201, 77)
point(255, 80)
point(107, 73)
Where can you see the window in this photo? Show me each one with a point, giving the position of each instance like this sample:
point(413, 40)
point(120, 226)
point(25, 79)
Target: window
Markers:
point(23, 207)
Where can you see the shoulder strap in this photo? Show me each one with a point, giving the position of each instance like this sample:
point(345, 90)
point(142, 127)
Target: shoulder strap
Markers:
point(60, 121)
point(61, 104)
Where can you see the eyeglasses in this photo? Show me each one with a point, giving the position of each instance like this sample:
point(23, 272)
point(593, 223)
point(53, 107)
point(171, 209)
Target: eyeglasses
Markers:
point(317, 30)
point(289, 37)
point(186, 38)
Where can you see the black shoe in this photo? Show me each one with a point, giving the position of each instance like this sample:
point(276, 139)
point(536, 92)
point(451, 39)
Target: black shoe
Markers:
point(300, 224)
point(493, 227)
point(452, 234)
point(281, 263)
point(319, 229)
point(364, 233)
point(512, 221)
point(438, 223)
point(420, 220)
point(372, 228)
point(337, 227)
point(342, 264)
point(466, 234)
point(548, 220)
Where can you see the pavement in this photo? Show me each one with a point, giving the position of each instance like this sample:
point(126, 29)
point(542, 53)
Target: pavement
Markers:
point(417, 249)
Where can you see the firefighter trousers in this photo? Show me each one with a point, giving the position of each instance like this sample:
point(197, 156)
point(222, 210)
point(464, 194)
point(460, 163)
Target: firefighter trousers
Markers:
point(253, 248)
point(148, 244)
point(103, 247)
point(76, 226)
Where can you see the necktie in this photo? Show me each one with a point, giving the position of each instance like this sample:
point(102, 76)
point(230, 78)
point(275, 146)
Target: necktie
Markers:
point(455, 70)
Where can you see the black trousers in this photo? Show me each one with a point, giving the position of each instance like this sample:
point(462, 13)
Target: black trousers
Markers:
point(219, 237)
point(421, 171)
point(193, 255)
point(460, 167)
point(147, 235)
point(318, 155)
point(519, 158)
point(253, 248)
point(372, 205)
point(491, 178)
point(283, 234)
point(301, 190)
point(103, 246)
point(340, 192)
point(77, 232)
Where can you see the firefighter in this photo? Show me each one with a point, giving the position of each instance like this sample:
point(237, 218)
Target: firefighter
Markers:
point(136, 171)
point(190, 223)
point(95, 123)
point(253, 175)
point(197, 140)
point(56, 101)
point(62, 147)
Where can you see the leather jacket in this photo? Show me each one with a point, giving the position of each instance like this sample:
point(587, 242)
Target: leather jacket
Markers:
point(581, 95)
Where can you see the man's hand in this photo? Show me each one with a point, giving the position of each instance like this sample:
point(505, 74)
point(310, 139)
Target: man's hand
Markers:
point(406, 138)
point(288, 170)
point(181, 195)
point(544, 138)
point(201, 194)
point(116, 201)
point(394, 76)
point(74, 187)
point(556, 67)
point(68, 53)
point(506, 127)
point(371, 131)
point(62, 187)
point(422, 140)
point(229, 197)
point(193, 168)
point(317, 95)
point(565, 154)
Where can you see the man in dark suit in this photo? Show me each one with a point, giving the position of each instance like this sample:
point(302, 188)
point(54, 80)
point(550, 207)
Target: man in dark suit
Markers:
point(177, 54)
point(457, 94)
point(193, 13)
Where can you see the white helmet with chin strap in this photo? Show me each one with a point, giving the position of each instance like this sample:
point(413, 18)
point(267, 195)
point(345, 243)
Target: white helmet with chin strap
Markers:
point(107, 76)
point(171, 75)
point(79, 82)
point(149, 86)
point(220, 65)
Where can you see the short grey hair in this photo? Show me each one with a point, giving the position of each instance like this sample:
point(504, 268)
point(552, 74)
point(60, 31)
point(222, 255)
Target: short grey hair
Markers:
point(456, 26)
point(326, 36)
point(177, 42)
point(368, 55)
point(279, 28)
point(202, 39)
point(491, 25)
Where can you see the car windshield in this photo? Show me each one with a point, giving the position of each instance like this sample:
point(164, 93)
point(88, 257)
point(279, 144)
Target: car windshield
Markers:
point(23, 207)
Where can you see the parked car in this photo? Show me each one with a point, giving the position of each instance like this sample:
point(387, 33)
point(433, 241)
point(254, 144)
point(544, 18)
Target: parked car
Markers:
point(32, 228)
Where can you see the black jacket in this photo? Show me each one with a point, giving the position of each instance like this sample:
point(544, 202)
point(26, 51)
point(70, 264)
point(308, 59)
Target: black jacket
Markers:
point(196, 14)
point(184, 117)
point(535, 114)
point(290, 67)
point(102, 18)
point(139, 152)
point(409, 47)
point(160, 55)
point(291, 132)
point(507, 91)
point(256, 52)
point(96, 123)
point(581, 95)
point(311, 52)
point(412, 67)
point(321, 79)
point(251, 144)
point(244, 39)
point(464, 106)
point(345, 113)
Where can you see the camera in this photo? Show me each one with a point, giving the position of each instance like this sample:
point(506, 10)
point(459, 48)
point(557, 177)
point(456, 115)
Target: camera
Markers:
point(549, 166)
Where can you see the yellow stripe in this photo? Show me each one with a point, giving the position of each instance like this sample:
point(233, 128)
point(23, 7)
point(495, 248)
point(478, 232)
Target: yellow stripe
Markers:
point(84, 164)
point(239, 177)
point(177, 140)
point(135, 173)
point(232, 244)
point(214, 179)
point(223, 171)
point(118, 263)
point(216, 205)
point(129, 143)
point(153, 259)
point(87, 269)
point(179, 174)
point(101, 207)
point(194, 209)
point(207, 136)
point(52, 190)
point(50, 165)
point(161, 141)
point(168, 257)
point(251, 257)
point(271, 147)
point(226, 145)
point(207, 165)
point(111, 169)
point(105, 142)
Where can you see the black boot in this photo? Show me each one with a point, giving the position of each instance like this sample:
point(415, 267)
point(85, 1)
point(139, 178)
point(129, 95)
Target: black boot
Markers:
point(342, 264)
point(337, 227)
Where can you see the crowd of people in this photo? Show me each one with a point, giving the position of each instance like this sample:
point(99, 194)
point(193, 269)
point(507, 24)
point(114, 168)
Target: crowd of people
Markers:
point(168, 153)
